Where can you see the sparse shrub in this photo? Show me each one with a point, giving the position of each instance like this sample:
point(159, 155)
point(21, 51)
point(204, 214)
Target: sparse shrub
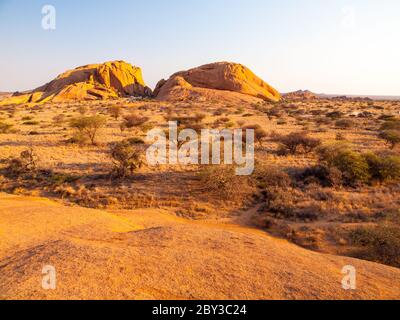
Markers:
point(344, 123)
point(259, 133)
point(240, 110)
point(327, 152)
point(323, 175)
point(185, 121)
point(87, 128)
point(335, 115)
point(127, 157)
point(79, 138)
point(228, 125)
point(136, 141)
point(285, 203)
point(30, 123)
point(58, 179)
point(122, 126)
point(223, 120)
point(199, 117)
point(25, 163)
point(82, 110)
point(391, 125)
point(274, 112)
point(5, 127)
point(387, 117)
point(297, 142)
point(278, 203)
point(115, 111)
point(241, 123)
point(223, 180)
point(340, 137)
point(59, 119)
point(271, 177)
point(392, 137)
point(134, 121)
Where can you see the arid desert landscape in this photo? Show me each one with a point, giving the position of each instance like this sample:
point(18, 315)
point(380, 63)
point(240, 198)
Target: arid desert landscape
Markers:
point(77, 192)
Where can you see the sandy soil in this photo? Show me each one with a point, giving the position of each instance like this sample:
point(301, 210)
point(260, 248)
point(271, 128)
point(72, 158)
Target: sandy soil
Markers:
point(150, 254)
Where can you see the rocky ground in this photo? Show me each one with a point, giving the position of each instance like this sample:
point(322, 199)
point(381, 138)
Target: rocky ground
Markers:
point(150, 254)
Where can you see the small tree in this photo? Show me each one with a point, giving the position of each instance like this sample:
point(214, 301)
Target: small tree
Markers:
point(88, 127)
point(392, 137)
point(127, 156)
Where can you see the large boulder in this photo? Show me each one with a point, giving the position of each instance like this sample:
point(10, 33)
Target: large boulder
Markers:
point(90, 82)
point(222, 80)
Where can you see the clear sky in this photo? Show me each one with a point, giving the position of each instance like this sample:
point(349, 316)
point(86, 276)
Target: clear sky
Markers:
point(340, 46)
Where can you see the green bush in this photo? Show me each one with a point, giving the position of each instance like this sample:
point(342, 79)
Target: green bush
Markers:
point(383, 168)
point(392, 137)
point(379, 244)
point(350, 163)
point(353, 166)
point(359, 167)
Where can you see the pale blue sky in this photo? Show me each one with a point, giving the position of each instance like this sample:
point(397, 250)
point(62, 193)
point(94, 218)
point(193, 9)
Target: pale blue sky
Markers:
point(340, 46)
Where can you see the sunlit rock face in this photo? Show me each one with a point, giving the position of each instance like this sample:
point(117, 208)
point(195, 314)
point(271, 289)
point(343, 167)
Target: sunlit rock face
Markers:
point(224, 80)
point(91, 82)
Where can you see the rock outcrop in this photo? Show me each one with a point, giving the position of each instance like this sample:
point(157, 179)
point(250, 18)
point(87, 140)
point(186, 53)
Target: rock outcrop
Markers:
point(222, 80)
point(103, 255)
point(300, 95)
point(90, 82)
